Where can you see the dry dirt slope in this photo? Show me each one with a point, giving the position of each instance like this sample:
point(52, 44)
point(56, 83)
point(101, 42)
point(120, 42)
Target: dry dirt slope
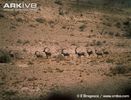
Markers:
point(58, 25)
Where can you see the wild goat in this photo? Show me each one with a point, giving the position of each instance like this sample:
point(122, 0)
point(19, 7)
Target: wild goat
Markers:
point(79, 54)
point(38, 54)
point(47, 52)
point(66, 54)
point(89, 51)
point(99, 53)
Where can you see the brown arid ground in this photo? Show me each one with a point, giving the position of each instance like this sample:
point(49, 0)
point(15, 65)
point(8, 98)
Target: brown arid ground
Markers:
point(25, 75)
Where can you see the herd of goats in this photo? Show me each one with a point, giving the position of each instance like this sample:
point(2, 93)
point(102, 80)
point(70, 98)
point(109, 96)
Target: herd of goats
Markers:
point(48, 53)
point(78, 53)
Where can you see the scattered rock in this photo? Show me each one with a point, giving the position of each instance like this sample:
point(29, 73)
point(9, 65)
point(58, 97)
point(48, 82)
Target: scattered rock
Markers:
point(60, 57)
point(59, 70)
point(32, 79)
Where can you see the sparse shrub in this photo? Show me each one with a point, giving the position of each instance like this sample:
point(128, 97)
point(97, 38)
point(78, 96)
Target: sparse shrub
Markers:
point(126, 23)
point(9, 92)
point(109, 60)
point(120, 45)
point(32, 79)
point(61, 12)
point(26, 42)
point(2, 82)
point(4, 57)
point(126, 89)
point(58, 2)
point(19, 41)
point(111, 33)
point(1, 15)
point(15, 13)
point(19, 20)
point(118, 25)
point(12, 27)
point(127, 28)
point(64, 27)
point(51, 23)
point(82, 27)
point(92, 30)
point(117, 34)
point(108, 24)
point(40, 20)
point(23, 41)
point(119, 69)
point(98, 43)
point(128, 33)
point(104, 41)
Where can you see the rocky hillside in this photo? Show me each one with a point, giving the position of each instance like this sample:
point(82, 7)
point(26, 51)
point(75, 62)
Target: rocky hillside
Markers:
point(67, 47)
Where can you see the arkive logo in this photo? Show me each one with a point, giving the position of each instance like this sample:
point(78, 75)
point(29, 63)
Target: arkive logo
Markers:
point(20, 6)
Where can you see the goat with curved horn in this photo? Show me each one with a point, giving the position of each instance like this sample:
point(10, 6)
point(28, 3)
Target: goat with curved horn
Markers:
point(99, 53)
point(89, 51)
point(66, 54)
point(38, 54)
point(79, 54)
point(47, 52)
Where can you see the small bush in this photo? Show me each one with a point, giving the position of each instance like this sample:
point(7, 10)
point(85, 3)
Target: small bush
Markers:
point(111, 33)
point(82, 27)
point(127, 29)
point(19, 41)
point(19, 20)
point(98, 43)
point(118, 25)
point(1, 15)
point(9, 92)
point(58, 2)
point(40, 20)
point(109, 60)
point(126, 23)
point(119, 69)
point(4, 57)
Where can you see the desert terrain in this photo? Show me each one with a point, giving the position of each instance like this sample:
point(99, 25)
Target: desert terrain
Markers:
point(88, 51)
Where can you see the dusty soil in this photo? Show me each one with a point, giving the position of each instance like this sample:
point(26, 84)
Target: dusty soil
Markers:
point(33, 76)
